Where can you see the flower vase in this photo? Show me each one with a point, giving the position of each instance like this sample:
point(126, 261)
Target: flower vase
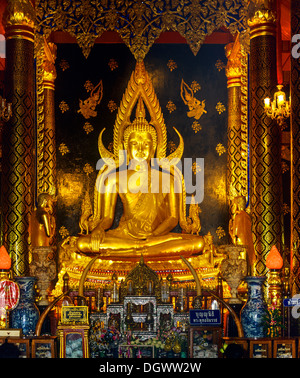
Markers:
point(254, 310)
point(26, 314)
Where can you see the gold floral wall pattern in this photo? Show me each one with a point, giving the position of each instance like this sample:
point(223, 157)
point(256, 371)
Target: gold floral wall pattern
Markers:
point(77, 136)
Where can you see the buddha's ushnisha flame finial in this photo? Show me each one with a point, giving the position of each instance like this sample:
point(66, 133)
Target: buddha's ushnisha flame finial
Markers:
point(140, 109)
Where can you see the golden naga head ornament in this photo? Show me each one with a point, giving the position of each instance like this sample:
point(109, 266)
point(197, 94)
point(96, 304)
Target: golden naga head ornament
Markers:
point(139, 93)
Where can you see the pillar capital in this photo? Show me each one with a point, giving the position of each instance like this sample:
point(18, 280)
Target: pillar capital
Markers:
point(263, 22)
point(49, 74)
point(19, 20)
point(234, 65)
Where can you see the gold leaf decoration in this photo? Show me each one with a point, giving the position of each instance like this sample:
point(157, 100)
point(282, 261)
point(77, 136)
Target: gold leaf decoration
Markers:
point(63, 149)
point(171, 146)
point(63, 106)
point(195, 86)
point(64, 233)
point(171, 106)
point(64, 65)
point(196, 168)
point(220, 149)
point(196, 126)
point(88, 85)
point(88, 128)
point(220, 108)
point(88, 169)
point(220, 232)
point(113, 64)
point(172, 65)
point(220, 65)
point(112, 106)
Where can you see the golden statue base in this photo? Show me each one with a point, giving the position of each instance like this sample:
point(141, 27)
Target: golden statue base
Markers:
point(207, 266)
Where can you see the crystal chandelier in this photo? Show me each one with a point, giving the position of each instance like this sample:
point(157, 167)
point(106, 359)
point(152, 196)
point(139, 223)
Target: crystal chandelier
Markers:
point(5, 110)
point(279, 108)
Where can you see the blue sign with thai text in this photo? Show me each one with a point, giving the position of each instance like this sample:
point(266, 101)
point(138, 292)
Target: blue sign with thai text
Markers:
point(290, 302)
point(200, 317)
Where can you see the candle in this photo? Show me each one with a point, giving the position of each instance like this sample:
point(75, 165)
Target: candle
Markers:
point(267, 102)
point(274, 259)
point(280, 100)
point(5, 260)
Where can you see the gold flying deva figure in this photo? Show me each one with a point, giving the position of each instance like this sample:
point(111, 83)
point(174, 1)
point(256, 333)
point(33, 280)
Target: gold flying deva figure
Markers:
point(154, 199)
point(196, 107)
point(88, 106)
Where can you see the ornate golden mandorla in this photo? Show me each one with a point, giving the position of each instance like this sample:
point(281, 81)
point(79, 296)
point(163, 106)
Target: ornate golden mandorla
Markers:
point(148, 216)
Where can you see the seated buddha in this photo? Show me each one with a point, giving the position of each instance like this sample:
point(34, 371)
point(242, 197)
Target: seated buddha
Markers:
point(152, 203)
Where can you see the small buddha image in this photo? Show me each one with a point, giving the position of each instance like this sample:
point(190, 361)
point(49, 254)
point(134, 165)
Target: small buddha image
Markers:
point(42, 223)
point(240, 229)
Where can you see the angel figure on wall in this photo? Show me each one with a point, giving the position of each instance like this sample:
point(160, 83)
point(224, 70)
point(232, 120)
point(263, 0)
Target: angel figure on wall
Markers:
point(88, 106)
point(196, 107)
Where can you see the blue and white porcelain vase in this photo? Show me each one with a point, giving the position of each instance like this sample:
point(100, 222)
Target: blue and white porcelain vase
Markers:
point(254, 310)
point(26, 314)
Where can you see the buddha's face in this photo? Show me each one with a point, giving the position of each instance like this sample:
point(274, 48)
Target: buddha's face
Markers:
point(140, 146)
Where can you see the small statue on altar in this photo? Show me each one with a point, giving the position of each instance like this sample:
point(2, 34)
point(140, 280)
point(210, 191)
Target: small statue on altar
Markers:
point(240, 230)
point(233, 269)
point(42, 225)
point(42, 229)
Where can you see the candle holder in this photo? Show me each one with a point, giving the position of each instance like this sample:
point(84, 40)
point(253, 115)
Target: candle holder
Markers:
point(275, 288)
point(274, 262)
point(279, 108)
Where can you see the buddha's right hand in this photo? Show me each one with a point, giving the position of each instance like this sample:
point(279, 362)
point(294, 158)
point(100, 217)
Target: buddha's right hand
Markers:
point(97, 238)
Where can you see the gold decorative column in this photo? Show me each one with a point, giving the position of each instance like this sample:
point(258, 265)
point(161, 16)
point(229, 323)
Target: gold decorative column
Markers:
point(295, 156)
point(18, 134)
point(237, 180)
point(46, 159)
point(265, 140)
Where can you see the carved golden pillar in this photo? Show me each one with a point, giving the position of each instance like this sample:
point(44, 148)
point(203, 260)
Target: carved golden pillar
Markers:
point(295, 156)
point(237, 135)
point(265, 140)
point(18, 133)
point(47, 157)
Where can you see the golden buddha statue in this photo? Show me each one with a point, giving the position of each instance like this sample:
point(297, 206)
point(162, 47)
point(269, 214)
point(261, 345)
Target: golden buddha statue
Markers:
point(240, 230)
point(153, 198)
point(42, 223)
